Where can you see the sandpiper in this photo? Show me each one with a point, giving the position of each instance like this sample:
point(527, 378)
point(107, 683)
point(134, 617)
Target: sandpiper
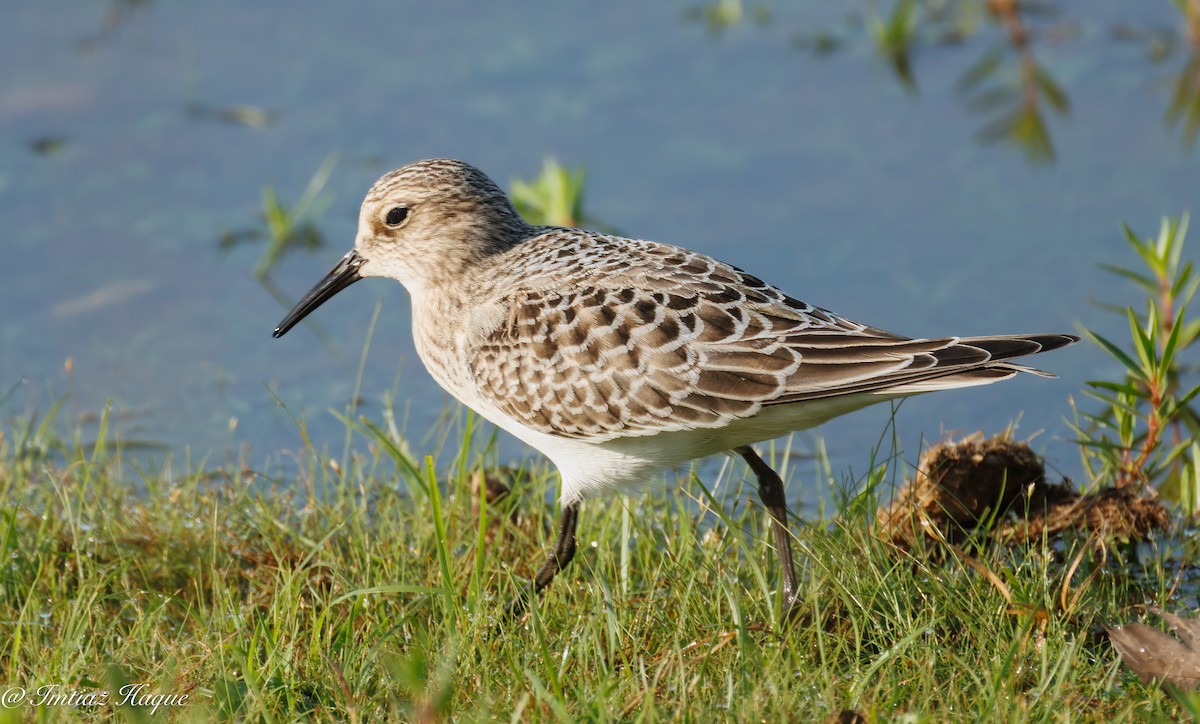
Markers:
point(619, 358)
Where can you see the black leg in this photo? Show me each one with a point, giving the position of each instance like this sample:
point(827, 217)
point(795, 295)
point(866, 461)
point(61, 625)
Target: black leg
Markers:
point(564, 551)
point(770, 489)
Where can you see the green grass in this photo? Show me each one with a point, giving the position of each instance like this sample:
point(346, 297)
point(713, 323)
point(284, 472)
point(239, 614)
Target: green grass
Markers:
point(375, 595)
point(368, 586)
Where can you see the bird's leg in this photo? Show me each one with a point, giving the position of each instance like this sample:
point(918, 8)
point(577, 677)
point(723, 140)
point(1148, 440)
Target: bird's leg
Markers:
point(564, 551)
point(770, 489)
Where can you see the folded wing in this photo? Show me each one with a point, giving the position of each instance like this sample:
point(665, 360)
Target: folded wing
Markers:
point(698, 344)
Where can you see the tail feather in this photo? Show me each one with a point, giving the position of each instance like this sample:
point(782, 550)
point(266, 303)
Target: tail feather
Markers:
point(939, 365)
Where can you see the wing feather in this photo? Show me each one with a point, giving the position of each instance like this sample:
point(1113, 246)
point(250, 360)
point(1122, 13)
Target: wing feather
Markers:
point(675, 340)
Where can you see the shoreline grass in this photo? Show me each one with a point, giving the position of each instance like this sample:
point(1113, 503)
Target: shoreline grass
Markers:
point(377, 598)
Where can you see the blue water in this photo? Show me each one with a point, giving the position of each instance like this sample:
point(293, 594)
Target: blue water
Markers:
point(821, 173)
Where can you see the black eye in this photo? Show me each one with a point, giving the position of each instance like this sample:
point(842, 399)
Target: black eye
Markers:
point(396, 215)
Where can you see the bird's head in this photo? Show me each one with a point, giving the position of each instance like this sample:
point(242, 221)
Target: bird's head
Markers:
point(424, 225)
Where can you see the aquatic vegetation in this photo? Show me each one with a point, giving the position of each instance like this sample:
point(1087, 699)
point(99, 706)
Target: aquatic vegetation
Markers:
point(1014, 96)
point(1015, 93)
point(894, 36)
point(721, 15)
point(294, 225)
point(1147, 430)
point(287, 227)
point(1184, 109)
point(554, 198)
point(238, 115)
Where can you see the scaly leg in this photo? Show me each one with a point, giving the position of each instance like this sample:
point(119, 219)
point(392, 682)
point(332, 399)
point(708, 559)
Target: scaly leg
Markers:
point(564, 551)
point(770, 489)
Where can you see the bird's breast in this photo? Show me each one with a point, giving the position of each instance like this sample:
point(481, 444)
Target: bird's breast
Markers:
point(447, 331)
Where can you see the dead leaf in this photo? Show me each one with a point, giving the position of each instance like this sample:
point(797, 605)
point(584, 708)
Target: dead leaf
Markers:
point(1157, 656)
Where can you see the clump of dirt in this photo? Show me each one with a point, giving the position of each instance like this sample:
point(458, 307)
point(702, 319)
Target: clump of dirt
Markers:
point(495, 486)
point(490, 485)
point(997, 487)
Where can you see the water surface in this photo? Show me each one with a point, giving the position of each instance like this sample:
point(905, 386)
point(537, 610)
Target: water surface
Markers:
point(123, 162)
